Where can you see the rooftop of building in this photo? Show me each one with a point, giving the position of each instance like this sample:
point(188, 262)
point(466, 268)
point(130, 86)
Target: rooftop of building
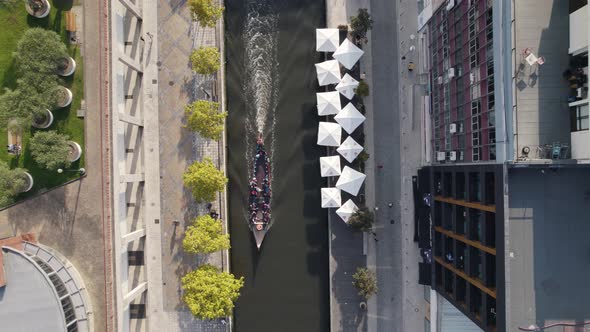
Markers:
point(541, 28)
point(547, 245)
point(39, 289)
point(28, 300)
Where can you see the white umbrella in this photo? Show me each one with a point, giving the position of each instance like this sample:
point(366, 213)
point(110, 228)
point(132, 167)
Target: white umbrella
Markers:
point(346, 210)
point(329, 134)
point(331, 197)
point(350, 181)
point(349, 118)
point(348, 54)
point(327, 40)
point(347, 86)
point(328, 72)
point(330, 166)
point(349, 149)
point(328, 102)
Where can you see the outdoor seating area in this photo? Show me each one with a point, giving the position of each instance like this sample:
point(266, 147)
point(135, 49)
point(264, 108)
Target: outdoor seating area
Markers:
point(58, 100)
point(347, 118)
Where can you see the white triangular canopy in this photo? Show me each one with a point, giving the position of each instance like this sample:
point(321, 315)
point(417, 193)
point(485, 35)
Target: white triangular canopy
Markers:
point(350, 181)
point(329, 134)
point(328, 102)
point(347, 86)
point(331, 197)
point(346, 210)
point(330, 166)
point(349, 149)
point(348, 54)
point(349, 118)
point(328, 72)
point(327, 40)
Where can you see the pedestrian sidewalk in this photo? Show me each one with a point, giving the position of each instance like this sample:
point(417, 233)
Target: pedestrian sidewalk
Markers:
point(178, 86)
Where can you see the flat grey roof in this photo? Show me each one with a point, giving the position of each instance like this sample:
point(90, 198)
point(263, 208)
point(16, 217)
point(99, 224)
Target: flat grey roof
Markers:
point(547, 247)
point(542, 115)
point(28, 302)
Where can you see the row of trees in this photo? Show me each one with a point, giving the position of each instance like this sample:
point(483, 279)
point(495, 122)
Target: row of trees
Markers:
point(363, 219)
point(209, 293)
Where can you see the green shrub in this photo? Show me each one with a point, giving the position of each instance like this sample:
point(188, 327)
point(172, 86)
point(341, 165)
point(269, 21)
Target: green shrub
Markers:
point(206, 12)
point(50, 150)
point(12, 182)
point(362, 219)
point(365, 282)
point(205, 235)
point(204, 117)
point(205, 60)
point(362, 90)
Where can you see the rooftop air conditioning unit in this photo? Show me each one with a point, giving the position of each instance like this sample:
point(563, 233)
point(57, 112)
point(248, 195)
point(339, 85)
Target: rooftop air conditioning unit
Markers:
point(451, 72)
point(453, 128)
point(439, 80)
point(440, 156)
point(453, 155)
point(450, 5)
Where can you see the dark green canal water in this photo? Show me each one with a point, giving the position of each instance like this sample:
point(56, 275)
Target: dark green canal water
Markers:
point(271, 88)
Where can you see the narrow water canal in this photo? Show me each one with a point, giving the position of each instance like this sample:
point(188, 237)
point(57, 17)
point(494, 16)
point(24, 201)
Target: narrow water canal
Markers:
point(271, 88)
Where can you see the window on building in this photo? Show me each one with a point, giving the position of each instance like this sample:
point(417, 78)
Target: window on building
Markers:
point(491, 119)
point(475, 107)
point(475, 91)
point(493, 150)
point(461, 141)
point(579, 117)
point(475, 138)
point(477, 153)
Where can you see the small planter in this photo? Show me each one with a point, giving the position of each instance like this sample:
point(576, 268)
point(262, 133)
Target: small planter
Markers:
point(43, 122)
point(75, 151)
point(30, 182)
point(66, 66)
point(64, 97)
point(38, 8)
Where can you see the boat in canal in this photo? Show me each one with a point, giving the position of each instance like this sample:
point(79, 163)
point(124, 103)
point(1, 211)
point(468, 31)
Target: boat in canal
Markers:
point(260, 193)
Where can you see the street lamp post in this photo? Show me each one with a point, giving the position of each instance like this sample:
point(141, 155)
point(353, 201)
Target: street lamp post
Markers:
point(81, 170)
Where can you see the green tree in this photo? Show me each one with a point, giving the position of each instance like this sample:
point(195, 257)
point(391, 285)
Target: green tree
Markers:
point(206, 12)
point(209, 293)
point(205, 235)
point(205, 118)
point(362, 219)
point(365, 281)
point(50, 149)
point(39, 50)
point(12, 182)
point(361, 23)
point(206, 60)
point(204, 180)
point(362, 90)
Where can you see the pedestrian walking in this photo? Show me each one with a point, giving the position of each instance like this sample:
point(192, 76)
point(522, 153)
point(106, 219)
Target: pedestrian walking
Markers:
point(390, 205)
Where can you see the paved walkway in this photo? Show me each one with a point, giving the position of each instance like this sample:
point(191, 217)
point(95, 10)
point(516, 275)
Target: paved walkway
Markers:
point(179, 147)
point(70, 219)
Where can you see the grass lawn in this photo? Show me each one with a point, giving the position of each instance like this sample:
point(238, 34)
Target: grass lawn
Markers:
point(15, 21)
